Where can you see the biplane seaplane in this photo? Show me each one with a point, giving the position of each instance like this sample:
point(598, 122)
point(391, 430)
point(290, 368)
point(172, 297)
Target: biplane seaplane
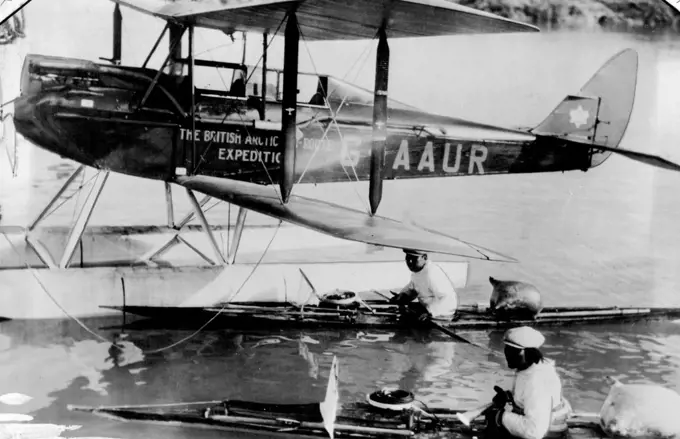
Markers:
point(251, 142)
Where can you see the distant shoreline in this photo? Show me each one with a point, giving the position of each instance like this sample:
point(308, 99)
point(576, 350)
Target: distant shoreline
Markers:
point(623, 15)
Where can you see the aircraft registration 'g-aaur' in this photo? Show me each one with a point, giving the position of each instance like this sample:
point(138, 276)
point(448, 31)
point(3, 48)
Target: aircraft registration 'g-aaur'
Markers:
point(272, 128)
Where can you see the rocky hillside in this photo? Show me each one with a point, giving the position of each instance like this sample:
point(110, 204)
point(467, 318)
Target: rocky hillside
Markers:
point(650, 15)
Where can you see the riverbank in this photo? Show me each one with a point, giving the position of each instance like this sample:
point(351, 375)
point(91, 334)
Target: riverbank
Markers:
point(638, 15)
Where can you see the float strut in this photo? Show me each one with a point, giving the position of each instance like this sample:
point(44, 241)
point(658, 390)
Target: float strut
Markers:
point(379, 121)
point(82, 220)
point(169, 205)
point(54, 200)
point(206, 228)
point(289, 107)
point(238, 232)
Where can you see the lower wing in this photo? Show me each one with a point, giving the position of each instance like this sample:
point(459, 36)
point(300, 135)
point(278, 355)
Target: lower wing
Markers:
point(335, 220)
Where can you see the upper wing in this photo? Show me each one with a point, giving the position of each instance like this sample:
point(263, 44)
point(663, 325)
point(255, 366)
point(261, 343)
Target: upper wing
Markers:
point(332, 19)
point(335, 220)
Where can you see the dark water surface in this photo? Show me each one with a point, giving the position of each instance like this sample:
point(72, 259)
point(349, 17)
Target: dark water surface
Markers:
point(58, 363)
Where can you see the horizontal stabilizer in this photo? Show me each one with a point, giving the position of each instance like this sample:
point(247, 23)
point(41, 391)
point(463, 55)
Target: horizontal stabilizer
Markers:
point(333, 20)
point(649, 159)
point(335, 220)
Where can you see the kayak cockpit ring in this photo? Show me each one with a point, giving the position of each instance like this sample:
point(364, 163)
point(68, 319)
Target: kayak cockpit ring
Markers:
point(220, 410)
point(340, 298)
point(391, 399)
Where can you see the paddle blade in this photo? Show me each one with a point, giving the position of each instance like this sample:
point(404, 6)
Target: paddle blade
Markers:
point(467, 417)
point(462, 417)
point(329, 406)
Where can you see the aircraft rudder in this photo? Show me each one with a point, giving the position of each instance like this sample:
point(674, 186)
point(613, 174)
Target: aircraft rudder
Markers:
point(599, 114)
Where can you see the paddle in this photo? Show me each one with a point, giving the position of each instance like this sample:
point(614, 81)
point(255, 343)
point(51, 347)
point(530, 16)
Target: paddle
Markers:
point(448, 332)
point(467, 417)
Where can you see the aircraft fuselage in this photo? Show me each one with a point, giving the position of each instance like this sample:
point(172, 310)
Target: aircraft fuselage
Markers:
point(91, 113)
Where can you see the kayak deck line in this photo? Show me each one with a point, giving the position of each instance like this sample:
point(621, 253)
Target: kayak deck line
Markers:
point(323, 418)
point(354, 420)
point(382, 314)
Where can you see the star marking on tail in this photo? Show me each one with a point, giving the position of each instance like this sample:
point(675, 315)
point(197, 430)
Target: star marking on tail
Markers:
point(579, 116)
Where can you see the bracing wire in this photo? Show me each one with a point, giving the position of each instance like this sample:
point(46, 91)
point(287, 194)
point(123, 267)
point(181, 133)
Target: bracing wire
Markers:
point(217, 313)
point(75, 205)
point(333, 121)
point(100, 337)
point(13, 27)
point(76, 192)
point(266, 170)
point(153, 351)
point(333, 117)
point(55, 301)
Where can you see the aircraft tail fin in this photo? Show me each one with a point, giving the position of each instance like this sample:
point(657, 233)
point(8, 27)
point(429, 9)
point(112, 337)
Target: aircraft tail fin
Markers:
point(600, 112)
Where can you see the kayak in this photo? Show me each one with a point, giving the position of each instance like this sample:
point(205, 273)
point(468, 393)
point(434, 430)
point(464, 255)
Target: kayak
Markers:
point(301, 421)
point(368, 419)
point(352, 312)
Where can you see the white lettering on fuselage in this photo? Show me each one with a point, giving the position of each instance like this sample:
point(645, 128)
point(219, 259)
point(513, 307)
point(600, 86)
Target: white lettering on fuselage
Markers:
point(350, 150)
point(478, 159)
point(221, 137)
point(446, 161)
point(185, 134)
point(478, 155)
point(229, 137)
point(427, 159)
point(402, 159)
point(248, 155)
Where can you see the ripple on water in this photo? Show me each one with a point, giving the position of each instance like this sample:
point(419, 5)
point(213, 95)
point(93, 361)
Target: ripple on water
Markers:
point(292, 366)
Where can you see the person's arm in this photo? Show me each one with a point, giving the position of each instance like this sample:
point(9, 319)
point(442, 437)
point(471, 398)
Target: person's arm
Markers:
point(407, 294)
point(408, 288)
point(446, 297)
point(535, 422)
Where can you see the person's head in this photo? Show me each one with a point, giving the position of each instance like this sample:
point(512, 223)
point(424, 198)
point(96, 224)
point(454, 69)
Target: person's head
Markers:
point(415, 260)
point(521, 347)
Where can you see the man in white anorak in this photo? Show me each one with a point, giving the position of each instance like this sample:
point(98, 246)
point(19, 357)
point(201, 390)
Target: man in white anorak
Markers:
point(431, 286)
point(538, 408)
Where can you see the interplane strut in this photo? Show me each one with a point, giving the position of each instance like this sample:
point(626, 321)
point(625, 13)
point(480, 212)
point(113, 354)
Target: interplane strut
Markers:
point(379, 120)
point(289, 107)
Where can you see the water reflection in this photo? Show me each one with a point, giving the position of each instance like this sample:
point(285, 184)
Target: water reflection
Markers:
point(38, 367)
point(58, 363)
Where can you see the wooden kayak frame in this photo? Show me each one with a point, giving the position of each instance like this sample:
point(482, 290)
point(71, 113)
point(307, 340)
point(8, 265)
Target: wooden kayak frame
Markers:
point(356, 419)
point(380, 314)
point(321, 419)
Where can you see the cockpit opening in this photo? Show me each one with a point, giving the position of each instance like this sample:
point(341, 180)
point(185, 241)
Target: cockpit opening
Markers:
point(311, 87)
point(242, 82)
